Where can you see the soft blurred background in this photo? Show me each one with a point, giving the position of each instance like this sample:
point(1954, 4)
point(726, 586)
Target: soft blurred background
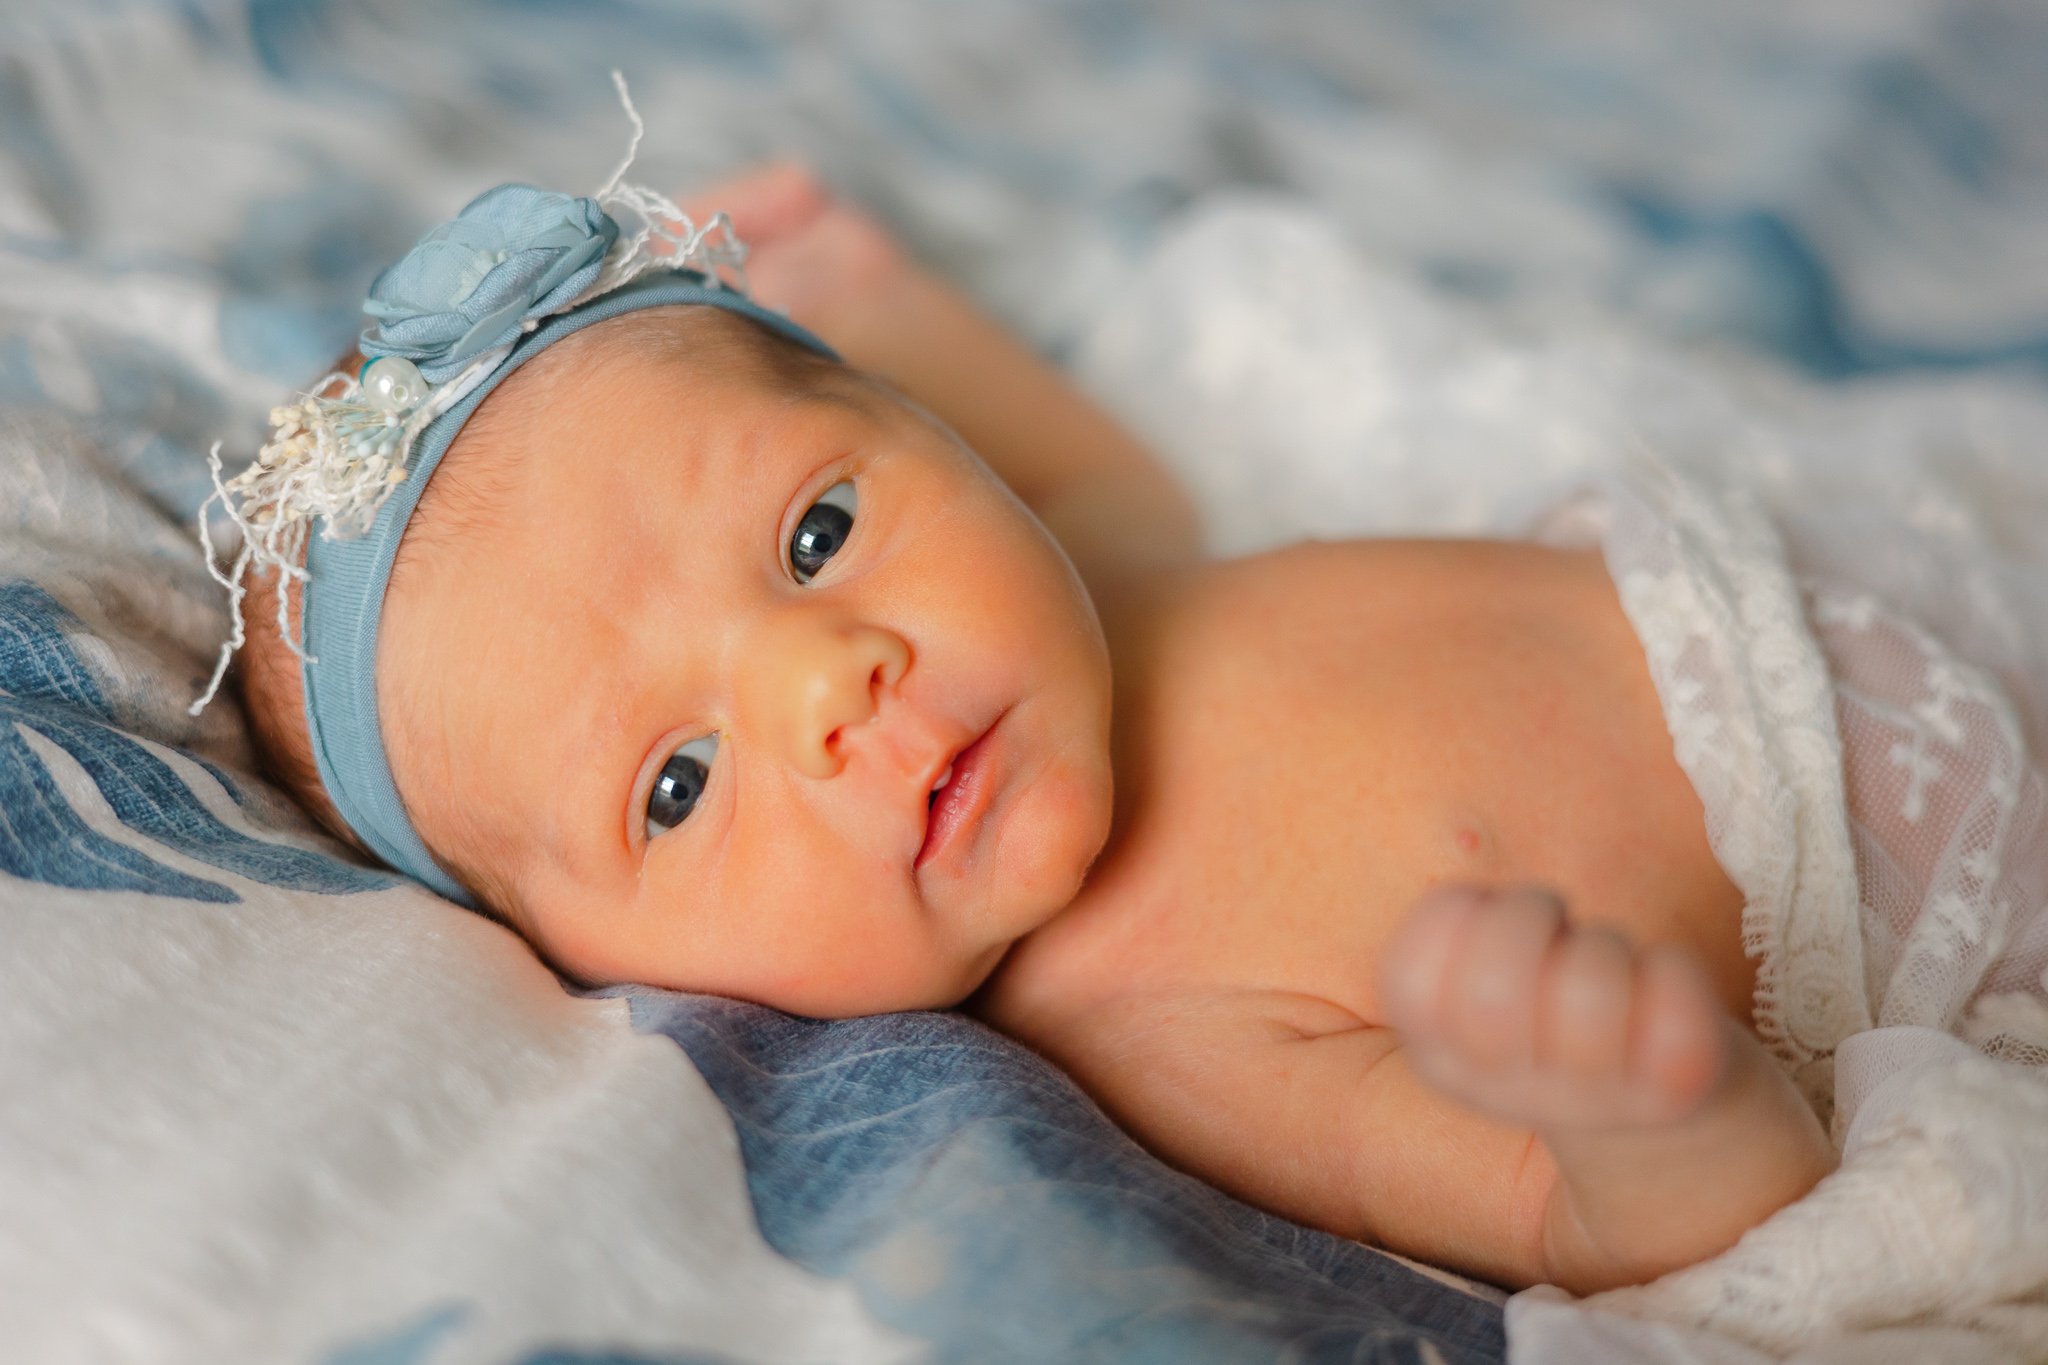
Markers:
point(194, 193)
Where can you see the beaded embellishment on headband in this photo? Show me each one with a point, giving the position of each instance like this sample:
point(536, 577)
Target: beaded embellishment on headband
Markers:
point(447, 316)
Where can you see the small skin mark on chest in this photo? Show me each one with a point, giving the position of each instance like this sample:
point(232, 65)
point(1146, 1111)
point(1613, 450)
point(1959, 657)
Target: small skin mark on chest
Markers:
point(1475, 851)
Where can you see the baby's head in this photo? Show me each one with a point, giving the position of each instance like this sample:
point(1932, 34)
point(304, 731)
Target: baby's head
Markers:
point(709, 662)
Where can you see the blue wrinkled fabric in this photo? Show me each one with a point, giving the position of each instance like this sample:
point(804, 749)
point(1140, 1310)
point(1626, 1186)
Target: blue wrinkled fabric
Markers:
point(513, 253)
point(46, 689)
point(977, 1200)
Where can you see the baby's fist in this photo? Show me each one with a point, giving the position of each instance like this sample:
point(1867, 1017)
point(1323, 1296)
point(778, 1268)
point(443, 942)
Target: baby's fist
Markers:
point(1509, 1008)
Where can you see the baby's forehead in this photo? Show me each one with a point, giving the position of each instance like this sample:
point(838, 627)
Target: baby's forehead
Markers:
point(651, 377)
point(684, 341)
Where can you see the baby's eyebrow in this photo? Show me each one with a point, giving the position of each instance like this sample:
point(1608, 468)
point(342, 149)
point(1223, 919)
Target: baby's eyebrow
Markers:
point(847, 390)
point(861, 401)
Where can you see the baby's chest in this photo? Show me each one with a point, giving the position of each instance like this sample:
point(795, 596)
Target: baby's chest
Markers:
point(1311, 740)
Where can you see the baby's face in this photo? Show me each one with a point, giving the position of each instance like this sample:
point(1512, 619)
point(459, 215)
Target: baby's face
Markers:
point(629, 623)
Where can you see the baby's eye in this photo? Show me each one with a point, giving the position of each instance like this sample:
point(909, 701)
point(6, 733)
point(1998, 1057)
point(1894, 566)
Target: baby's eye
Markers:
point(823, 530)
point(679, 785)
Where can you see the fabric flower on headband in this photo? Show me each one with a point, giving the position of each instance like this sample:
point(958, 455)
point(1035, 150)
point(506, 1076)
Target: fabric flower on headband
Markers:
point(512, 254)
point(447, 315)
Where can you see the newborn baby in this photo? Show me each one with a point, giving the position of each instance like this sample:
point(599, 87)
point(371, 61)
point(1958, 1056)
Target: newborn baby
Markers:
point(1359, 879)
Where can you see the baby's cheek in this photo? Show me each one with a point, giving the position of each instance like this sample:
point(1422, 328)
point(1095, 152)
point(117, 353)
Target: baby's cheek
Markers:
point(820, 934)
point(1047, 847)
point(872, 971)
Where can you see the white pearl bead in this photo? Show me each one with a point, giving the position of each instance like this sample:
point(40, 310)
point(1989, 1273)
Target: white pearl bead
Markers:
point(393, 384)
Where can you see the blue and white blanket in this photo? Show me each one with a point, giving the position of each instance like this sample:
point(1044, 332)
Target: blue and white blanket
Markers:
point(1352, 267)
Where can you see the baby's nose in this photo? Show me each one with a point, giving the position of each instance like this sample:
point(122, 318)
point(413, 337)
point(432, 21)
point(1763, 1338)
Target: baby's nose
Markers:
point(825, 677)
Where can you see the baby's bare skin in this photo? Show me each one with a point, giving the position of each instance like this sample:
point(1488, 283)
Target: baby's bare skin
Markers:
point(1284, 970)
point(1310, 741)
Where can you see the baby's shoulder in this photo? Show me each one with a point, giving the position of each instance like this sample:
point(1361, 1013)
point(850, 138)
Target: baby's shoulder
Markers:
point(1312, 584)
point(1294, 631)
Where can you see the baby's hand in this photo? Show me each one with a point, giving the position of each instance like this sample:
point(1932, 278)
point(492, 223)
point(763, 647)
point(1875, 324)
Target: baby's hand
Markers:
point(1511, 1009)
point(824, 262)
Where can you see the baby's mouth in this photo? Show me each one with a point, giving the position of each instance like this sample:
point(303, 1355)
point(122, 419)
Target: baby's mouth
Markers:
point(959, 797)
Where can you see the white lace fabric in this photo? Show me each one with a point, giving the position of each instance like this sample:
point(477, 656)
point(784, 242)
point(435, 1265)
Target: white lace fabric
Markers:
point(1948, 808)
point(1854, 704)
point(1748, 698)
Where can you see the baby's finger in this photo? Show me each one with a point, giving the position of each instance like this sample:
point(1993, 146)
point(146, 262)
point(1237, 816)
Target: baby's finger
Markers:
point(1413, 963)
point(1678, 1049)
point(1490, 988)
point(1583, 1021)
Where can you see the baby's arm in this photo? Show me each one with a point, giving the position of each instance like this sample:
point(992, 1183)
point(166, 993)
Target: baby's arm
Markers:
point(1103, 495)
point(1560, 1108)
point(1299, 1106)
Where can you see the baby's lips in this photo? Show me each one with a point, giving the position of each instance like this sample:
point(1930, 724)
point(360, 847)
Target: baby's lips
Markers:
point(963, 801)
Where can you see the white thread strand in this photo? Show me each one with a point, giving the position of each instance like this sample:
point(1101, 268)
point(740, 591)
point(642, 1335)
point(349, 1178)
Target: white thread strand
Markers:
point(639, 131)
point(711, 249)
point(231, 581)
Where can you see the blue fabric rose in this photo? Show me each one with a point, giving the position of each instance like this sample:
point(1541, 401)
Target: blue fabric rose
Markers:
point(513, 253)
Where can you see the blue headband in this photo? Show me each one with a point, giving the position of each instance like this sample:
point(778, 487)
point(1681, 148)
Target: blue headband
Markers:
point(518, 264)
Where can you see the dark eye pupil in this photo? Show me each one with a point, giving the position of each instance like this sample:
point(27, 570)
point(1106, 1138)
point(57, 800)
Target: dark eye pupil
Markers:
point(817, 538)
point(676, 790)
